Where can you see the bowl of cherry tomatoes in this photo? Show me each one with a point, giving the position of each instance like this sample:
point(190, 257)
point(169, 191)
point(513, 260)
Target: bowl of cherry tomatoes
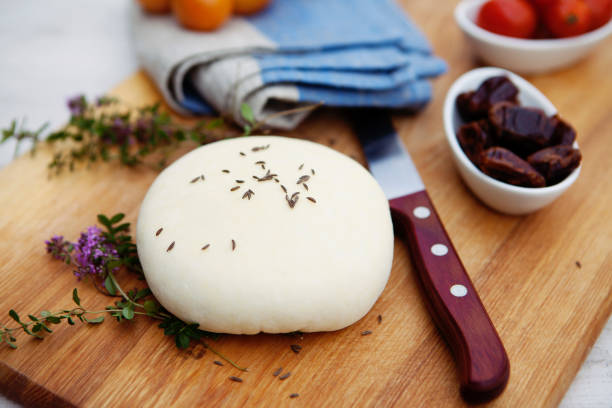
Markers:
point(534, 36)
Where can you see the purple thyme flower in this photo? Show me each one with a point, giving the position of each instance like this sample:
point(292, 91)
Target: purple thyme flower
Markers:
point(119, 131)
point(59, 248)
point(143, 129)
point(93, 253)
point(77, 105)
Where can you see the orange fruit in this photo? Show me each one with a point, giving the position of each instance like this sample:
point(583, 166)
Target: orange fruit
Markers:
point(249, 6)
point(202, 15)
point(155, 6)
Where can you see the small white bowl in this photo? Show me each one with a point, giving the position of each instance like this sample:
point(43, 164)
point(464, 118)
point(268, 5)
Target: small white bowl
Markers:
point(521, 55)
point(500, 196)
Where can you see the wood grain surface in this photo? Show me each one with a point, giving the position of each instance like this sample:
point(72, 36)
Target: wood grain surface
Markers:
point(547, 310)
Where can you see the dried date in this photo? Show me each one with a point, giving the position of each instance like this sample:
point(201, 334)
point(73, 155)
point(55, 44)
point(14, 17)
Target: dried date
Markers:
point(522, 130)
point(474, 138)
point(564, 133)
point(555, 163)
point(503, 165)
point(475, 105)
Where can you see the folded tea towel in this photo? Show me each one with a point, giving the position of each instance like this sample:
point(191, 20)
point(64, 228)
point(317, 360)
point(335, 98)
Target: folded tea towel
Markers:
point(351, 53)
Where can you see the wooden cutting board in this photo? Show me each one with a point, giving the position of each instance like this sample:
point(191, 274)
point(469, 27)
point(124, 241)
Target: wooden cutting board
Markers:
point(547, 309)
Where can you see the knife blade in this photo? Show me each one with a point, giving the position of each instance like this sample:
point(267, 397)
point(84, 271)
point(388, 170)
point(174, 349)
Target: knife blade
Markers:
point(451, 297)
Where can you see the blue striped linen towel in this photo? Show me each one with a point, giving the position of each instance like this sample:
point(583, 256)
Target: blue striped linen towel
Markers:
point(350, 53)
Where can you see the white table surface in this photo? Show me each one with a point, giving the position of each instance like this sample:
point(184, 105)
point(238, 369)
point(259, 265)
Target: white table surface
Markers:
point(52, 50)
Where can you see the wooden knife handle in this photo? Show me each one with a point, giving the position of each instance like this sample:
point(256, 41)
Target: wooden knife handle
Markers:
point(453, 302)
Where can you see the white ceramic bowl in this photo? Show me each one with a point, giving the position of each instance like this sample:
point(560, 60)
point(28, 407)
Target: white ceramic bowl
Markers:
point(500, 196)
point(520, 55)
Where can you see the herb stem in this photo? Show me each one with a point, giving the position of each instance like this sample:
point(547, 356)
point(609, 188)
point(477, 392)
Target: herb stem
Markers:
point(125, 296)
point(223, 357)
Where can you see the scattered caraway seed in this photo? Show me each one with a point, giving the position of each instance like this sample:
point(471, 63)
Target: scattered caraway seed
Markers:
point(312, 172)
point(284, 376)
point(379, 318)
point(294, 395)
point(311, 199)
point(236, 379)
point(259, 148)
point(159, 231)
point(301, 166)
point(205, 247)
point(218, 363)
point(225, 171)
point(303, 179)
point(276, 180)
point(268, 176)
point(202, 177)
point(195, 179)
point(239, 181)
point(263, 167)
point(366, 332)
point(234, 188)
point(305, 186)
point(293, 200)
point(283, 188)
point(296, 348)
point(249, 193)
point(170, 247)
point(233, 244)
point(578, 264)
point(260, 162)
point(242, 154)
point(278, 371)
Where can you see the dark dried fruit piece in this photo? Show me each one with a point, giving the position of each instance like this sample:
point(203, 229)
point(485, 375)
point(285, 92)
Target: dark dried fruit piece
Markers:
point(476, 104)
point(503, 165)
point(555, 163)
point(522, 130)
point(564, 133)
point(474, 138)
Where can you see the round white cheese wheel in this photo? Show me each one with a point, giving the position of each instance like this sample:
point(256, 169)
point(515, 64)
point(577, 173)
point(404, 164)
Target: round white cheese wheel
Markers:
point(266, 234)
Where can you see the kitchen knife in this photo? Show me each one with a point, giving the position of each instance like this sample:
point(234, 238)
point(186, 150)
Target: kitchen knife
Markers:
point(452, 300)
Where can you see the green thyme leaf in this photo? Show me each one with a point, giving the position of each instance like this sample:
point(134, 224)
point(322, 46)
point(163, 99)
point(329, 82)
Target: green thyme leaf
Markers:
point(14, 316)
point(103, 219)
point(96, 320)
point(150, 306)
point(128, 312)
point(247, 113)
point(75, 297)
point(182, 341)
point(142, 293)
point(53, 320)
point(116, 218)
point(110, 286)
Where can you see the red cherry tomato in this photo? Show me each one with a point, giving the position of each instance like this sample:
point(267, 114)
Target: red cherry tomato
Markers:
point(541, 4)
point(568, 18)
point(601, 12)
point(513, 18)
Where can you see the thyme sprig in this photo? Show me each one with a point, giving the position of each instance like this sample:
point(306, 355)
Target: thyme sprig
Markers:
point(106, 130)
point(99, 255)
